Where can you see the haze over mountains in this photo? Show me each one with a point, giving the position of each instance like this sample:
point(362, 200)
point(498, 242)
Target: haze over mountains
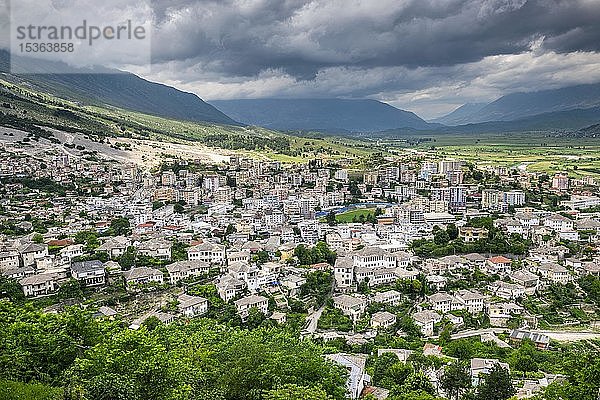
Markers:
point(521, 105)
point(327, 115)
point(566, 108)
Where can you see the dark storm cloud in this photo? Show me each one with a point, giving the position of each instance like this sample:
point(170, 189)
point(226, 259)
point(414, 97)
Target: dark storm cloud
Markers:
point(243, 38)
point(427, 56)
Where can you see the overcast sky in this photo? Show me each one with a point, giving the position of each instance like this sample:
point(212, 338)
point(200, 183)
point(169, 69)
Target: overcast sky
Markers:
point(427, 56)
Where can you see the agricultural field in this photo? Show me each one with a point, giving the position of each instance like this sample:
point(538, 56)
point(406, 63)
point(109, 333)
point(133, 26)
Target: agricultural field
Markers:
point(533, 151)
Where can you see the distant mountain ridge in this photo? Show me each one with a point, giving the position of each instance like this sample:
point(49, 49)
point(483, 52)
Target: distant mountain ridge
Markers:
point(326, 115)
point(115, 88)
point(520, 105)
point(567, 108)
point(459, 115)
point(570, 120)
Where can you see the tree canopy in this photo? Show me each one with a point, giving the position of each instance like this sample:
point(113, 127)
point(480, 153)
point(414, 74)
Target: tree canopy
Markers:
point(103, 360)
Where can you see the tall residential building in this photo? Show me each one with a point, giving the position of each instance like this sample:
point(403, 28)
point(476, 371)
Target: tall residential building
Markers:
point(490, 199)
point(560, 182)
point(514, 198)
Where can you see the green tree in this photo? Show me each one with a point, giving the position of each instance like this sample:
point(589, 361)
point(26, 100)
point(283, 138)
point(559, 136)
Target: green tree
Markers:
point(295, 392)
point(261, 257)
point(388, 371)
point(441, 237)
point(416, 382)
point(496, 386)
point(120, 227)
point(38, 238)
point(230, 230)
point(446, 334)
point(330, 218)
point(363, 286)
point(456, 380)
point(524, 358)
point(255, 318)
point(317, 286)
point(452, 231)
point(151, 323)
point(10, 390)
point(70, 290)
point(179, 251)
point(89, 238)
point(10, 289)
point(127, 259)
point(316, 254)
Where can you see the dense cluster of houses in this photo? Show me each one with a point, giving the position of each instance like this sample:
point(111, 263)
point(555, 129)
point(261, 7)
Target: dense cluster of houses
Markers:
point(240, 222)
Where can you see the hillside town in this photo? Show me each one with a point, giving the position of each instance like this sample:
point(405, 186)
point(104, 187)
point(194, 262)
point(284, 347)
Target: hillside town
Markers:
point(411, 246)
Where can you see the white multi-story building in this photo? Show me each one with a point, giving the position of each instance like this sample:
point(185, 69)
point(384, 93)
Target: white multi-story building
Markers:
point(473, 301)
point(244, 305)
point(207, 252)
point(558, 223)
point(343, 271)
point(341, 175)
point(514, 198)
point(581, 202)
point(192, 306)
point(352, 306)
point(490, 199)
point(560, 182)
point(374, 257)
point(375, 276)
point(441, 302)
point(388, 297)
point(184, 269)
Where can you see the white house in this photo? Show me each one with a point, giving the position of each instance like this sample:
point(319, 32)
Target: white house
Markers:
point(244, 304)
point(473, 301)
point(229, 287)
point(383, 319)
point(441, 302)
point(207, 252)
point(392, 297)
point(30, 252)
point(156, 248)
point(426, 320)
point(90, 273)
point(142, 275)
point(192, 306)
point(184, 269)
point(374, 257)
point(553, 273)
point(483, 366)
point(343, 270)
point(39, 285)
point(357, 377)
point(352, 306)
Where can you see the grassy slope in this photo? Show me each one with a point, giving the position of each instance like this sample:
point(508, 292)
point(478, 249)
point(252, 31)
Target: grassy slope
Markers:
point(46, 110)
point(544, 152)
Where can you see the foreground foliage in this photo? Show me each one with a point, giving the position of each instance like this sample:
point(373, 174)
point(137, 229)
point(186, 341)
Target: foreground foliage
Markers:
point(101, 360)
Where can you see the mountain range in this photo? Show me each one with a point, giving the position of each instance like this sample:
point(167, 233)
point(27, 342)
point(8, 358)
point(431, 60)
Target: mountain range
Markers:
point(327, 115)
point(521, 105)
point(571, 107)
point(113, 88)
